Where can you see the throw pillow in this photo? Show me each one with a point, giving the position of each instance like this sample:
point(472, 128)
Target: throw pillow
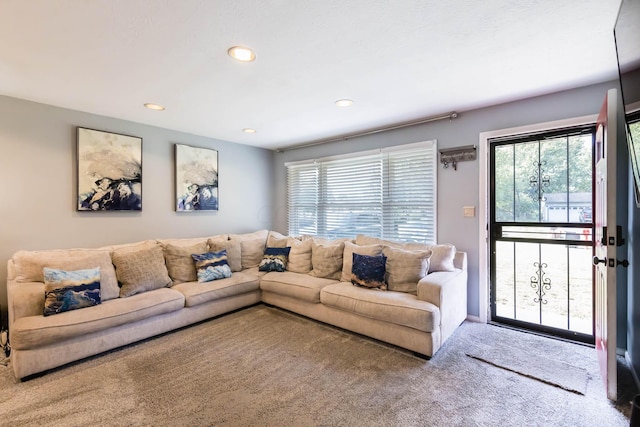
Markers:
point(140, 270)
point(234, 252)
point(369, 271)
point(347, 258)
point(211, 266)
point(274, 259)
point(326, 260)
point(252, 247)
point(442, 258)
point(29, 266)
point(277, 240)
point(405, 268)
point(70, 290)
point(179, 262)
point(299, 256)
point(364, 240)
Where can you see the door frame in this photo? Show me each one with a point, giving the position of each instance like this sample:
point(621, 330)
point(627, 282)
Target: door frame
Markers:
point(484, 252)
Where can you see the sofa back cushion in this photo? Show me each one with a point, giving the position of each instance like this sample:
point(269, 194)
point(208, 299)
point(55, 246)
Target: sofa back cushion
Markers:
point(28, 266)
point(180, 264)
point(442, 254)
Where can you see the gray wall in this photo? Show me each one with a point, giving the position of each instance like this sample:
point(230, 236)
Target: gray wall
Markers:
point(455, 188)
point(37, 169)
point(38, 191)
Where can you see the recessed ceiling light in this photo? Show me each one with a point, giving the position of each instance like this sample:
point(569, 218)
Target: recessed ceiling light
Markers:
point(249, 130)
point(344, 103)
point(154, 106)
point(241, 53)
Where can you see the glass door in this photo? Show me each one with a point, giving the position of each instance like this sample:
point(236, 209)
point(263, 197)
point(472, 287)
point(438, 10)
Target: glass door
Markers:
point(541, 232)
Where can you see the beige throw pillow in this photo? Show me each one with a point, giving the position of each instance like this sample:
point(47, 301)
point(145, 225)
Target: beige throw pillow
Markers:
point(405, 268)
point(234, 252)
point(364, 240)
point(442, 258)
point(252, 247)
point(299, 256)
point(326, 260)
point(182, 242)
point(276, 240)
point(140, 270)
point(347, 257)
point(180, 263)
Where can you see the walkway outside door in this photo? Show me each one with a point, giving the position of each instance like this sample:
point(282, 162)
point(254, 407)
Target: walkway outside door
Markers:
point(541, 231)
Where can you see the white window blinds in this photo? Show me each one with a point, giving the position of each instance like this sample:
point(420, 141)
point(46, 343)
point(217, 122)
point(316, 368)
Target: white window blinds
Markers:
point(389, 193)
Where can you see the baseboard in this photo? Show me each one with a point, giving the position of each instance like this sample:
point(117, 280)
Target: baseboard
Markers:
point(633, 371)
point(475, 319)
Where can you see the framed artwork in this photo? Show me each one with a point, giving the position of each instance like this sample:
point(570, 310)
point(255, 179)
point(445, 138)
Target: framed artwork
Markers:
point(196, 179)
point(109, 171)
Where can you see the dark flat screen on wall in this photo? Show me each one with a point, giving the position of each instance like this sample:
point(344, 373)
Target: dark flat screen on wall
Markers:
point(627, 36)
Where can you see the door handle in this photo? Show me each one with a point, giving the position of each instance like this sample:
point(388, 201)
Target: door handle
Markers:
point(597, 260)
point(623, 263)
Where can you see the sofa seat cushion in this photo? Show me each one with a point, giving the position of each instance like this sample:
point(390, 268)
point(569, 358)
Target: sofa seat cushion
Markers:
point(399, 308)
point(297, 285)
point(37, 331)
point(198, 293)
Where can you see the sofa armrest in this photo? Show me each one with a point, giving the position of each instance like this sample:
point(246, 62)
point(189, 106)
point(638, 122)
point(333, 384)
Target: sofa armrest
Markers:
point(25, 299)
point(448, 291)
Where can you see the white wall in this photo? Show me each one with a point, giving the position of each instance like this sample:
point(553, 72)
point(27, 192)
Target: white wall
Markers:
point(456, 189)
point(38, 190)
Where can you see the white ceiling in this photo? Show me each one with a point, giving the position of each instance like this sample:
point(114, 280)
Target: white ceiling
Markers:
point(399, 60)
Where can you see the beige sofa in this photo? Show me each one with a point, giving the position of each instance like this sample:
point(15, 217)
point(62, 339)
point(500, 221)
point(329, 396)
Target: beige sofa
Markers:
point(148, 288)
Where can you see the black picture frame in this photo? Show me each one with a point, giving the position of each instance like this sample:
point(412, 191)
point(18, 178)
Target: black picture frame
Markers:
point(109, 171)
point(196, 172)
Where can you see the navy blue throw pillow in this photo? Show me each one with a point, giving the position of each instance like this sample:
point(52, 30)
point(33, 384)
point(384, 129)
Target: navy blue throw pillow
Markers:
point(274, 259)
point(368, 271)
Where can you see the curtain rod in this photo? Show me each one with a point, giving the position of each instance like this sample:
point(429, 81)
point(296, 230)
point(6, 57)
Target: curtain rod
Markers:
point(451, 115)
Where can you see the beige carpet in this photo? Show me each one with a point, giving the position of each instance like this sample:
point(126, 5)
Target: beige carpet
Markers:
point(265, 367)
point(531, 364)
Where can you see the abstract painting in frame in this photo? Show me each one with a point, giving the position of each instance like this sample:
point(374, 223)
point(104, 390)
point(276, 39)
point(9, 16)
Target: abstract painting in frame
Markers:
point(196, 179)
point(109, 171)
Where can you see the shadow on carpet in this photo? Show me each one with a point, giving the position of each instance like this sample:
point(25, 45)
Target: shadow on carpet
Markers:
point(549, 371)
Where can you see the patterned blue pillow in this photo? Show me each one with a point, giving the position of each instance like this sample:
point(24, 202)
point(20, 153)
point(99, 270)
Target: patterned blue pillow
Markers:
point(368, 271)
point(275, 259)
point(70, 290)
point(212, 266)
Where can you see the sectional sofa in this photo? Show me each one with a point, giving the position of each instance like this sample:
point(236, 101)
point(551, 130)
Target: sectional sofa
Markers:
point(151, 287)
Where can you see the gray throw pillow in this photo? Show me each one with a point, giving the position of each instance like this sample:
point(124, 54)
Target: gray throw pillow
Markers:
point(140, 270)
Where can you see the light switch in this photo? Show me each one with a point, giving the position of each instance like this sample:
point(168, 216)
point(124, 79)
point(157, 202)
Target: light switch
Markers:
point(469, 211)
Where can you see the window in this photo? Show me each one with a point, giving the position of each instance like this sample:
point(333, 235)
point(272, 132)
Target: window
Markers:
point(388, 193)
